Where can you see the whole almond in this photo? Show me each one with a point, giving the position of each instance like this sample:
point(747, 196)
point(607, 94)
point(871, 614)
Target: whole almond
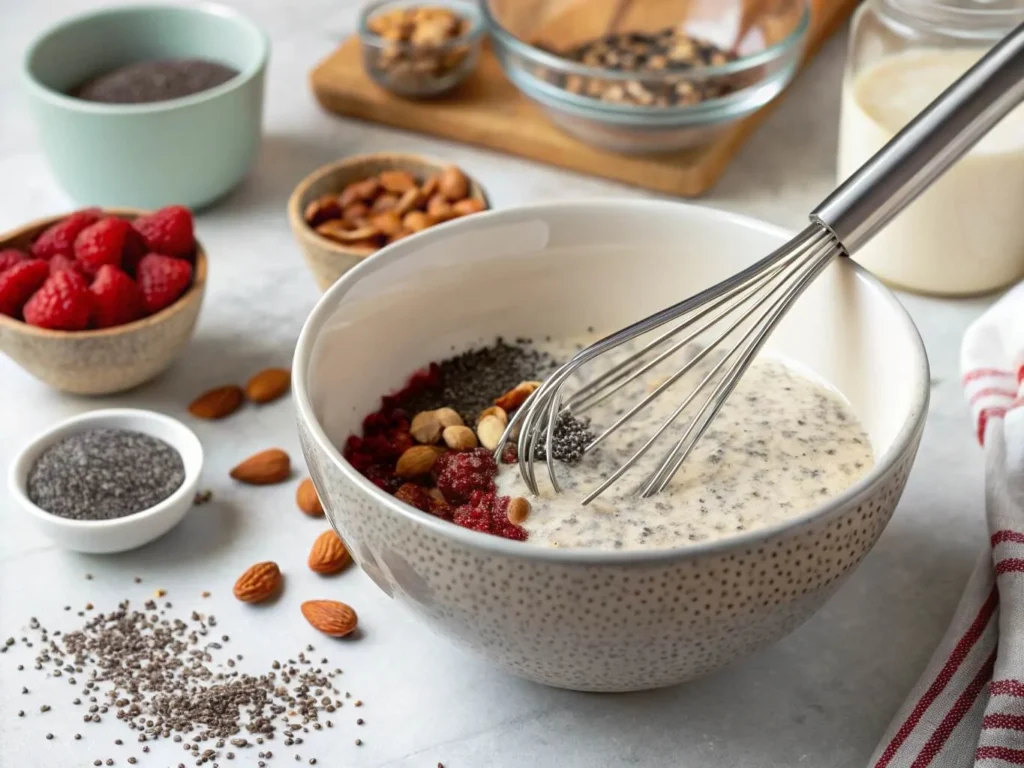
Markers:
point(308, 499)
point(518, 510)
point(448, 417)
point(425, 427)
point(216, 403)
point(516, 396)
point(397, 181)
point(388, 223)
point(356, 213)
point(322, 209)
point(269, 384)
point(430, 186)
point(328, 554)
point(459, 438)
point(264, 468)
point(494, 410)
point(467, 206)
point(359, 191)
point(258, 583)
point(385, 202)
point(410, 200)
point(439, 209)
point(416, 221)
point(417, 461)
point(489, 431)
point(330, 617)
point(453, 184)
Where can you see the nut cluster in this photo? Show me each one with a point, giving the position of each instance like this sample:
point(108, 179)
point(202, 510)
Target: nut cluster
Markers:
point(373, 212)
point(421, 47)
point(672, 56)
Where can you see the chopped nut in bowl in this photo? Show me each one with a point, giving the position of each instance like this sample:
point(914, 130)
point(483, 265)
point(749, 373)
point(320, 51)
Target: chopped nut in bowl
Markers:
point(343, 212)
point(417, 49)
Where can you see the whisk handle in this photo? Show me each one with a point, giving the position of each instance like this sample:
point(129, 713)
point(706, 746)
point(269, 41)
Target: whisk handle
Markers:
point(927, 146)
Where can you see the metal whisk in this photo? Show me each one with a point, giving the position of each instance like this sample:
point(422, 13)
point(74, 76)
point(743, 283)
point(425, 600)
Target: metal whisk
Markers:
point(741, 312)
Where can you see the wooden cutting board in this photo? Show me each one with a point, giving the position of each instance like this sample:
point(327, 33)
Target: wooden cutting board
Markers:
point(488, 111)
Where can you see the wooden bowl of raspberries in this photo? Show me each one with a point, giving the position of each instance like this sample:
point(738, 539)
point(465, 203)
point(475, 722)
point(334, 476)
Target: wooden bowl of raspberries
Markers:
point(343, 212)
point(100, 301)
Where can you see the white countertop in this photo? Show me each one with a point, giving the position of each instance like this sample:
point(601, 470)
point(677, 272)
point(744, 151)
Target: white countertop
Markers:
point(820, 698)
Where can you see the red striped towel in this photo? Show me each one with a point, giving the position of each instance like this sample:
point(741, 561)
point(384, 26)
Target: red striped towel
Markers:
point(968, 707)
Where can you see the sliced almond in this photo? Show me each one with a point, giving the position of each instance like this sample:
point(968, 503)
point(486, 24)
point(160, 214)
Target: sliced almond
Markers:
point(459, 438)
point(398, 182)
point(516, 396)
point(425, 427)
point(417, 461)
point(489, 432)
point(494, 410)
point(518, 510)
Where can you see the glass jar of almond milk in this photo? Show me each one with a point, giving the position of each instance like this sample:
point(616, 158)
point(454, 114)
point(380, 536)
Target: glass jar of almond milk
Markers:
point(965, 235)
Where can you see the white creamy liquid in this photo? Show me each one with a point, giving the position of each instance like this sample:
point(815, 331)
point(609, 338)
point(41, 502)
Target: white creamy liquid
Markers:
point(782, 444)
point(964, 235)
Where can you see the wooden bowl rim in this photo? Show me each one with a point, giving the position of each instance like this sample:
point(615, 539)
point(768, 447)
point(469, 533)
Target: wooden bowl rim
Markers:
point(306, 233)
point(194, 292)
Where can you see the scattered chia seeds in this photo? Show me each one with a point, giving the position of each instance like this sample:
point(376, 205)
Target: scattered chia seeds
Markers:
point(104, 474)
point(570, 438)
point(472, 380)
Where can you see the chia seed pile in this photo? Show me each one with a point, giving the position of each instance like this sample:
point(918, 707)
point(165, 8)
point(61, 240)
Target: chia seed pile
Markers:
point(104, 474)
point(157, 675)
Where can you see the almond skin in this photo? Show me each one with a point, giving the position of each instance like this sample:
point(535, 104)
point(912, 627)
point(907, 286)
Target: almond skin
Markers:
point(330, 617)
point(328, 554)
point(516, 396)
point(268, 384)
point(217, 403)
point(264, 468)
point(518, 510)
point(308, 500)
point(417, 461)
point(259, 582)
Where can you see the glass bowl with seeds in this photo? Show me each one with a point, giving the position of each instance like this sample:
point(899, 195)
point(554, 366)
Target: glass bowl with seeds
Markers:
point(420, 48)
point(640, 77)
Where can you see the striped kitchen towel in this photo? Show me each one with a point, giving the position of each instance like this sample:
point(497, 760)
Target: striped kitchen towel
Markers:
point(968, 707)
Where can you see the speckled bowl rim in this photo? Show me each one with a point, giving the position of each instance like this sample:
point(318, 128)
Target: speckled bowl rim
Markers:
point(309, 236)
point(194, 292)
point(486, 543)
point(243, 78)
point(17, 477)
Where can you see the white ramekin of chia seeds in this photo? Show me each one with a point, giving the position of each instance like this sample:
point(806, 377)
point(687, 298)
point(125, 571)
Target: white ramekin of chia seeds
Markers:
point(109, 480)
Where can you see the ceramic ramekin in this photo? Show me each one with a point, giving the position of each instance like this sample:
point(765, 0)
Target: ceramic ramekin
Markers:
point(191, 150)
point(124, 533)
point(577, 618)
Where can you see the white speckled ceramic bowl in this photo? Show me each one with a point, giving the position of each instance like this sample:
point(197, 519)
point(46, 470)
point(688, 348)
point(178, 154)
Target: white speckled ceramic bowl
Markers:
point(105, 360)
point(592, 620)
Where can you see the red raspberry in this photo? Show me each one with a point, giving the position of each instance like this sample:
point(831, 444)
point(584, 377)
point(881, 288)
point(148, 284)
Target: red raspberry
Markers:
point(134, 250)
point(162, 279)
point(488, 513)
point(59, 262)
point(101, 243)
point(414, 495)
point(62, 303)
point(116, 298)
point(60, 237)
point(458, 474)
point(18, 283)
point(168, 231)
point(9, 257)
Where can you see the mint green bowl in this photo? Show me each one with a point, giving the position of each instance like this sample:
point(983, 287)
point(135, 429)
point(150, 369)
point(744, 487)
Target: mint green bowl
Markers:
point(191, 150)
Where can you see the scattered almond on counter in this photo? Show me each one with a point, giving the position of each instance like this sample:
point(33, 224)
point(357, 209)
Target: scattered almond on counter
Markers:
point(259, 582)
point(331, 617)
point(328, 554)
point(308, 500)
point(382, 209)
point(264, 468)
point(217, 403)
point(268, 385)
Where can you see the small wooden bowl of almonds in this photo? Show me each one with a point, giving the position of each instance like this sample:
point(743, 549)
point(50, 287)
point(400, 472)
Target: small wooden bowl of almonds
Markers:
point(343, 212)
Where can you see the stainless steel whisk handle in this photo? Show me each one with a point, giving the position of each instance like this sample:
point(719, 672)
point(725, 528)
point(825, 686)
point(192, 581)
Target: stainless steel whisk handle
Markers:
point(927, 146)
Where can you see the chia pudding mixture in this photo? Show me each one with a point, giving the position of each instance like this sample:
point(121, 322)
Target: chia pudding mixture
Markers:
point(104, 474)
point(782, 444)
point(146, 82)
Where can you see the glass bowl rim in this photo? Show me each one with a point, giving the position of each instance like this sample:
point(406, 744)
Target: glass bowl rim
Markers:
point(565, 66)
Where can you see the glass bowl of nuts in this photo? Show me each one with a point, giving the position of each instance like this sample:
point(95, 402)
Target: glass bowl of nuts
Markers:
point(420, 50)
point(639, 76)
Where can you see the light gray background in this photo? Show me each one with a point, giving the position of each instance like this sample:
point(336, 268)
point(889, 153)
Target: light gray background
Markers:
point(821, 698)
